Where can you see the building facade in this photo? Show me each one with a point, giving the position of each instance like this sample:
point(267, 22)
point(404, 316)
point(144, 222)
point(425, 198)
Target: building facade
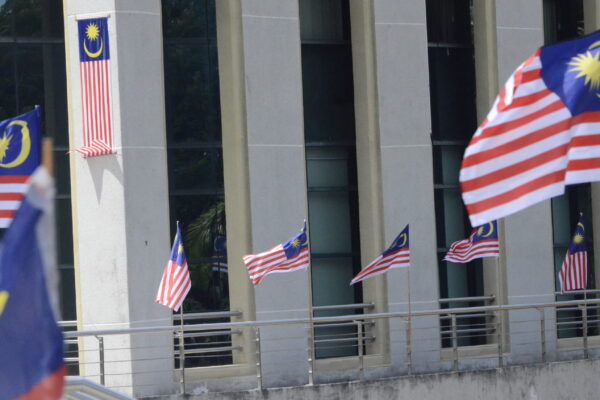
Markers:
point(242, 118)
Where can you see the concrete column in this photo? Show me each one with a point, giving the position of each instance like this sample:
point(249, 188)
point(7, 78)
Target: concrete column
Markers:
point(265, 166)
point(368, 157)
point(120, 201)
point(407, 170)
point(527, 234)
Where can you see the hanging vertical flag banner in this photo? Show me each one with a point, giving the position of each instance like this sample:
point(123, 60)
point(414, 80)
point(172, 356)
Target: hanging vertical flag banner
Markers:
point(573, 272)
point(94, 70)
point(288, 256)
point(483, 242)
point(20, 143)
point(175, 283)
point(542, 133)
point(396, 256)
point(31, 342)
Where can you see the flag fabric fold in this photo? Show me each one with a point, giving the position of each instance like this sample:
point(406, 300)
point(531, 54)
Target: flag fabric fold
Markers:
point(31, 342)
point(288, 256)
point(175, 283)
point(482, 242)
point(96, 103)
point(573, 272)
point(20, 155)
point(542, 133)
point(396, 256)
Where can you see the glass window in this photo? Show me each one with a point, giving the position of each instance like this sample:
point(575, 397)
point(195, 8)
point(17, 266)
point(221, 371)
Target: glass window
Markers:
point(194, 147)
point(32, 72)
point(330, 161)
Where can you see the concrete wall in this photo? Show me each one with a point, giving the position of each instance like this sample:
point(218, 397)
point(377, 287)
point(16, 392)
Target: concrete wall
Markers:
point(554, 381)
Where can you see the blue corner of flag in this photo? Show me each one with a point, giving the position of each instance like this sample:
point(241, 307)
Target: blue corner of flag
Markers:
point(31, 342)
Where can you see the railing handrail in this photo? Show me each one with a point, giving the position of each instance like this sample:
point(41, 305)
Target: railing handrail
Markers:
point(342, 318)
point(212, 315)
point(466, 299)
point(573, 292)
point(344, 307)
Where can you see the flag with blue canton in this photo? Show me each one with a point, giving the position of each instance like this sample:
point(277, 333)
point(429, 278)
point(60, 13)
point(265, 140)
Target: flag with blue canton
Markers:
point(96, 103)
point(483, 242)
point(573, 272)
point(31, 342)
point(175, 283)
point(396, 256)
point(20, 144)
point(219, 257)
point(288, 256)
point(542, 133)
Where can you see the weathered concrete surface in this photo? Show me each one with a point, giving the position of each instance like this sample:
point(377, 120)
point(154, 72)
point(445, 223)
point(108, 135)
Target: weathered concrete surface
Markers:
point(553, 381)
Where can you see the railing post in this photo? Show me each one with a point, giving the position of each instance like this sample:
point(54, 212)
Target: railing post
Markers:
point(454, 342)
point(543, 332)
point(499, 327)
point(258, 358)
point(311, 353)
point(585, 331)
point(181, 362)
point(101, 354)
point(361, 356)
point(408, 347)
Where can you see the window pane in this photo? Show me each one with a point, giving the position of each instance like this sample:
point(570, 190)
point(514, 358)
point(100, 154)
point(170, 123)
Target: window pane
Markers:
point(448, 21)
point(189, 19)
point(196, 169)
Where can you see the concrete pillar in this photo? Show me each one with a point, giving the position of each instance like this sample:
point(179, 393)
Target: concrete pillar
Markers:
point(265, 170)
point(407, 169)
point(527, 234)
point(120, 201)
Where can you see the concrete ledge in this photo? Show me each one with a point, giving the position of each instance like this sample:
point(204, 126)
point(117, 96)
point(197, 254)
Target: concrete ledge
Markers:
point(552, 381)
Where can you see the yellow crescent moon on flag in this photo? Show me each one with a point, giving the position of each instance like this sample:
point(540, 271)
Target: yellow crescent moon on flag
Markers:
point(594, 45)
point(95, 54)
point(581, 225)
point(490, 231)
point(404, 239)
point(3, 300)
point(25, 145)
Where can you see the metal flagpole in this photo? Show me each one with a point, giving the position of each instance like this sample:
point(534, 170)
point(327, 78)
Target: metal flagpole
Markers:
point(409, 329)
point(311, 327)
point(181, 353)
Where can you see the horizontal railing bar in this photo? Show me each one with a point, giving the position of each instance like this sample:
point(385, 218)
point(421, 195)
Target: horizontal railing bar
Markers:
point(344, 307)
point(403, 314)
point(466, 299)
point(212, 350)
point(71, 359)
point(66, 323)
point(468, 330)
point(344, 324)
point(212, 315)
point(468, 316)
point(345, 340)
point(212, 333)
point(571, 292)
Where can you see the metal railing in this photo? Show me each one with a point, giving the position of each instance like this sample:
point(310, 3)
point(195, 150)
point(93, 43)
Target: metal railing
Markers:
point(418, 339)
point(469, 329)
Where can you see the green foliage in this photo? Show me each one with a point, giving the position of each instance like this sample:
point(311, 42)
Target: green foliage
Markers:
point(202, 232)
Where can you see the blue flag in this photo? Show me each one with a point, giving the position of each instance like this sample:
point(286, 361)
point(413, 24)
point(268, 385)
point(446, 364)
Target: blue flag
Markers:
point(31, 343)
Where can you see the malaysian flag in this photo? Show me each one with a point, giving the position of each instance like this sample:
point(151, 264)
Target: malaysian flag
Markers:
point(219, 257)
point(483, 242)
point(20, 143)
point(175, 283)
point(542, 133)
point(573, 273)
point(289, 256)
point(94, 70)
point(396, 256)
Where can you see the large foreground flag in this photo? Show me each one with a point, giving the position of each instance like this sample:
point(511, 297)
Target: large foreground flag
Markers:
point(94, 71)
point(288, 256)
point(542, 133)
point(483, 242)
point(573, 273)
point(175, 283)
point(20, 143)
point(31, 343)
point(396, 256)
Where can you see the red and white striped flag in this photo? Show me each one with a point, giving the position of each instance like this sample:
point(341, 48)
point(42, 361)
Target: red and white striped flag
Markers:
point(396, 256)
point(573, 272)
point(94, 70)
point(542, 133)
point(289, 256)
point(482, 242)
point(175, 283)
